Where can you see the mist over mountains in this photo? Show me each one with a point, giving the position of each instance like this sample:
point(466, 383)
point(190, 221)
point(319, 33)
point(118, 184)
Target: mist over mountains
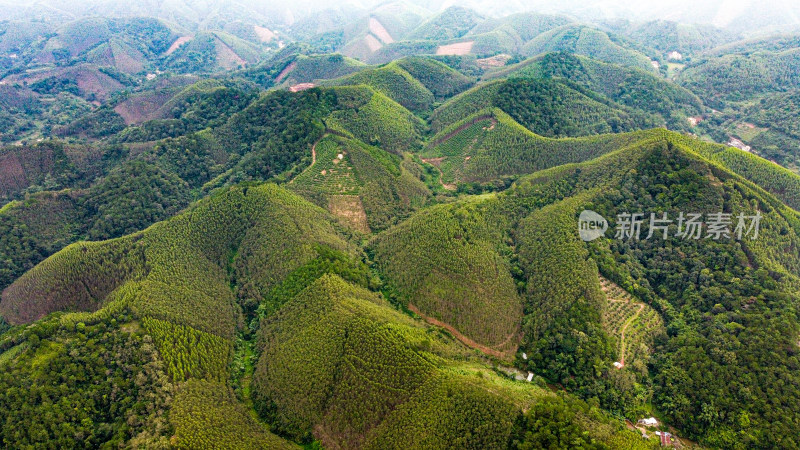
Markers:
point(747, 17)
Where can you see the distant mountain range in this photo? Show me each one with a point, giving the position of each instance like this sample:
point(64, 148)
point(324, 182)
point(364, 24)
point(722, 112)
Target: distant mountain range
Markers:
point(236, 225)
point(741, 16)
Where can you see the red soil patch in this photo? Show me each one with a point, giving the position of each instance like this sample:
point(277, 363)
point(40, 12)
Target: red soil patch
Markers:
point(350, 210)
point(178, 42)
point(465, 340)
point(376, 28)
point(459, 48)
point(290, 67)
point(265, 34)
point(372, 42)
point(301, 87)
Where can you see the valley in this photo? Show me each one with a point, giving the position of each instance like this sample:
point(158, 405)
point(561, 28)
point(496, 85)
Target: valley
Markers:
point(357, 228)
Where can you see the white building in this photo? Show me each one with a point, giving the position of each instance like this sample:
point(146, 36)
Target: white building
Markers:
point(648, 422)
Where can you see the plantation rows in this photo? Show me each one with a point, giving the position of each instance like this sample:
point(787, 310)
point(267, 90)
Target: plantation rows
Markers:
point(387, 191)
point(637, 89)
point(189, 353)
point(375, 119)
point(638, 322)
point(394, 82)
point(337, 339)
point(207, 414)
point(458, 276)
point(510, 149)
point(329, 174)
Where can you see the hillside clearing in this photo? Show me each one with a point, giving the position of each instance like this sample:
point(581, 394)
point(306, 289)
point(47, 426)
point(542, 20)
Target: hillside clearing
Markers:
point(631, 322)
point(178, 42)
point(350, 210)
point(506, 355)
point(376, 28)
point(457, 49)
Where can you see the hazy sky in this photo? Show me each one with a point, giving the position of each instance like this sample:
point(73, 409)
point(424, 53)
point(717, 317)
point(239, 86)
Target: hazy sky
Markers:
point(740, 14)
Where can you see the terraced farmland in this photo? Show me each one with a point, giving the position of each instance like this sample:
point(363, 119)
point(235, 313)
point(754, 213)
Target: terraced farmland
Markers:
point(458, 146)
point(632, 323)
point(332, 171)
point(366, 188)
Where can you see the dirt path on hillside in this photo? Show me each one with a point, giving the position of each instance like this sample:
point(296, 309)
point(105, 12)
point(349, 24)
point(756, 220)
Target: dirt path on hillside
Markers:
point(313, 158)
point(435, 163)
point(604, 285)
point(625, 327)
point(464, 339)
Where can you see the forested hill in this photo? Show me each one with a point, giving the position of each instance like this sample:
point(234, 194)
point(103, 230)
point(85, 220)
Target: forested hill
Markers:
point(363, 230)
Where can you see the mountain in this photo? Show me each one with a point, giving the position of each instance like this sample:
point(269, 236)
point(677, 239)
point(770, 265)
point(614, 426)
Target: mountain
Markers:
point(546, 107)
point(291, 271)
point(641, 90)
point(325, 317)
point(588, 41)
point(452, 23)
point(668, 36)
point(405, 224)
point(738, 77)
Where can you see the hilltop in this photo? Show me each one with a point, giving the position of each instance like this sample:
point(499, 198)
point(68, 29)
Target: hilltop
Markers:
point(359, 228)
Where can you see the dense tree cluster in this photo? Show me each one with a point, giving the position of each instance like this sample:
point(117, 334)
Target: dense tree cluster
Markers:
point(91, 387)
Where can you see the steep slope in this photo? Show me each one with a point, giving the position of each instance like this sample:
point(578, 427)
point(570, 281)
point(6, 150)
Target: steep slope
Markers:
point(35, 229)
point(524, 26)
point(209, 52)
point(664, 176)
point(375, 119)
point(185, 289)
point(365, 187)
point(547, 107)
point(773, 121)
point(584, 40)
point(336, 361)
point(739, 77)
point(313, 68)
point(633, 88)
point(453, 22)
point(394, 82)
point(147, 263)
point(459, 276)
point(440, 79)
point(490, 144)
point(667, 36)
